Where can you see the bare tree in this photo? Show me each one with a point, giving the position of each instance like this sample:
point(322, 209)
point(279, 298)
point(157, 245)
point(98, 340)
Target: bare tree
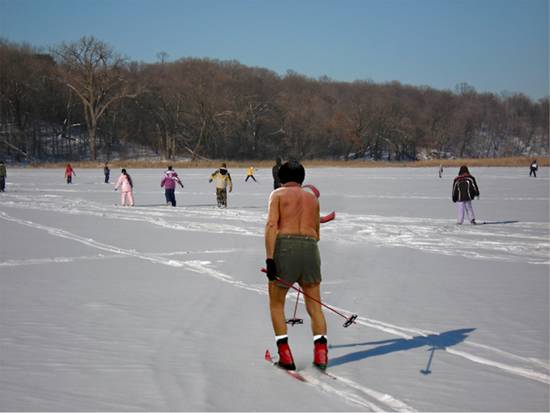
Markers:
point(97, 75)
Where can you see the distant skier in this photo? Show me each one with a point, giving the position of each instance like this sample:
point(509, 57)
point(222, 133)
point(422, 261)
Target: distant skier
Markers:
point(69, 172)
point(126, 188)
point(106, 172)
point(3, 175)
point(169, 183)
point(222, 178)
point(440, 171)
point(275, 172)
point(465, 189)
point(533, 168)
point(250, 174)
point(292, 254)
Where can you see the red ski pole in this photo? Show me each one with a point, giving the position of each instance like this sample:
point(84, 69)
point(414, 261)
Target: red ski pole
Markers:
point(349, 320)
point(294, 319)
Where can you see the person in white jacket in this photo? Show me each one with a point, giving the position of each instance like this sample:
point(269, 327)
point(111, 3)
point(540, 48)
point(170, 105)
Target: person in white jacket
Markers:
point(222, 178)
point(126, 187)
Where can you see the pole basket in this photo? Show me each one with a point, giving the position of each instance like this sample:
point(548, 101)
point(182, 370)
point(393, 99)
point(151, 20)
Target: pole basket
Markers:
point(293, 321)
point(350, 320)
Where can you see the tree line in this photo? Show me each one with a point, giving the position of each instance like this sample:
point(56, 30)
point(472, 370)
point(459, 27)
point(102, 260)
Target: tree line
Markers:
point(83, 100)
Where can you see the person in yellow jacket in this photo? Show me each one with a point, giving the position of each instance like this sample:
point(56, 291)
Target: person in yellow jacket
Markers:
point(250, 174)
point(222, 178)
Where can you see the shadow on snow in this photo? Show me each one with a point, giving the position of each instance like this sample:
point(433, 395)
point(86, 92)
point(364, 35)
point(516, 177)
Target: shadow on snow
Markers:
point(433, 342)
point(498, 222)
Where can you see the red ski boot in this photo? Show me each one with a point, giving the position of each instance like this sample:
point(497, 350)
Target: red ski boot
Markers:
point(320, 353)
point(286, 361)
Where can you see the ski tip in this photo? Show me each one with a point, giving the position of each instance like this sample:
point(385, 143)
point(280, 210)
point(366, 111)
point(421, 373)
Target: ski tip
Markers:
point(328, 217)
point(313, 189)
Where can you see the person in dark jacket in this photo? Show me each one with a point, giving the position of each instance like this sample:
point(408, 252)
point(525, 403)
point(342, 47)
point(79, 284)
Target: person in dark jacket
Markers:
point(275, 171)
point(3, 175)
point(465, 189)
point(106, 172)
point(533, 168)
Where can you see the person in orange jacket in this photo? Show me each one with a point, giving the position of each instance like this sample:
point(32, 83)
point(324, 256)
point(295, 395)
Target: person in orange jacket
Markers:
point(69, 172)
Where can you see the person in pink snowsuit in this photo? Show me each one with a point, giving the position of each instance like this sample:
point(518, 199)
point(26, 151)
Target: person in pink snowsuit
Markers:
point(126, 185)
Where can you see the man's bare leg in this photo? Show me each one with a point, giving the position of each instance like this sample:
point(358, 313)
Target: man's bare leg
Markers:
point(312, 294)
point(314, 309)
point(277, 296)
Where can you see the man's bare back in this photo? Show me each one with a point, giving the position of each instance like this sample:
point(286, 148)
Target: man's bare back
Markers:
point(291, 211)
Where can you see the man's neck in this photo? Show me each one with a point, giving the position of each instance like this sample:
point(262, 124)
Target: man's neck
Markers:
point(291, 184)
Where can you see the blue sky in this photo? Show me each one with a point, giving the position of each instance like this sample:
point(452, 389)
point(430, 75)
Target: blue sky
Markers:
point(494, 45)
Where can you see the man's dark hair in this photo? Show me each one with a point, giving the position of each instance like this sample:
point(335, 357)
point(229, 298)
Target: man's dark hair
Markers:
point(463, 170)
point(292, 171)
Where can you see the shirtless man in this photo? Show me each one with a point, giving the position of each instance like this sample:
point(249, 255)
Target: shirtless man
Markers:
point(291, 236)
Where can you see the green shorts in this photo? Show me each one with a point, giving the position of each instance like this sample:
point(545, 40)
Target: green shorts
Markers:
point(297, 259)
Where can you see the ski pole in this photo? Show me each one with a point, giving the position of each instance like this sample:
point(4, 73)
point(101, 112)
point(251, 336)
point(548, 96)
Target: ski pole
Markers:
point(349, 320)
point(295, 320)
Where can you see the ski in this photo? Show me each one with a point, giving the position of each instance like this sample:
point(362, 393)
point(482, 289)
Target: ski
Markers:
point(324, 372)
point(313, 189)
point(292, 373)
point(328, 217)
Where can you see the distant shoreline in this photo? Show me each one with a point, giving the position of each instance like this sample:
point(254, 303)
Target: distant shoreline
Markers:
point(520, 161)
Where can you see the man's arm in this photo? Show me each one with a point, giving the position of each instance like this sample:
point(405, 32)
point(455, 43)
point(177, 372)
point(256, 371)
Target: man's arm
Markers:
point(318, 227)
point(272, 225)
point(475, 187)
point(454, 194)
point(230, 182)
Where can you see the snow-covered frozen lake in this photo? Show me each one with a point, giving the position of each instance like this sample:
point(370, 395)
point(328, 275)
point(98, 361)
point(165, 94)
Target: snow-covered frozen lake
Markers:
point(158, 308)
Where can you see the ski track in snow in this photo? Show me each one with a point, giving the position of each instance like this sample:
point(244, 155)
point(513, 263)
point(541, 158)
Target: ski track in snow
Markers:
point(202, 267)
point(398, 231)
point(529, 244)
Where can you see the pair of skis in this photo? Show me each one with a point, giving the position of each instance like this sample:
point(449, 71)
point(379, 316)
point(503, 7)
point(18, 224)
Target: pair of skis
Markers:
point(293, 373)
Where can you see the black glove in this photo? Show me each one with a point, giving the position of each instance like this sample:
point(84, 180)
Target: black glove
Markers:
point(271, 269)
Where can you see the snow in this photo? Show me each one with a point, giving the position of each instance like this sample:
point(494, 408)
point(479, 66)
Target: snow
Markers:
point(157, 308)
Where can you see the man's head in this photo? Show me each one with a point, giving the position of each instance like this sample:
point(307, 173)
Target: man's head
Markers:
point(463, 170)
point(292, 171)
point(169, 167)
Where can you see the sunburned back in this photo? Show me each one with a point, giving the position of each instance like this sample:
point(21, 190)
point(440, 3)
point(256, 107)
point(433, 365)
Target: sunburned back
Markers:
point(298, 212)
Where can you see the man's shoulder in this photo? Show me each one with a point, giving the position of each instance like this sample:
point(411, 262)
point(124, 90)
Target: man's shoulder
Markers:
point(292, 191)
